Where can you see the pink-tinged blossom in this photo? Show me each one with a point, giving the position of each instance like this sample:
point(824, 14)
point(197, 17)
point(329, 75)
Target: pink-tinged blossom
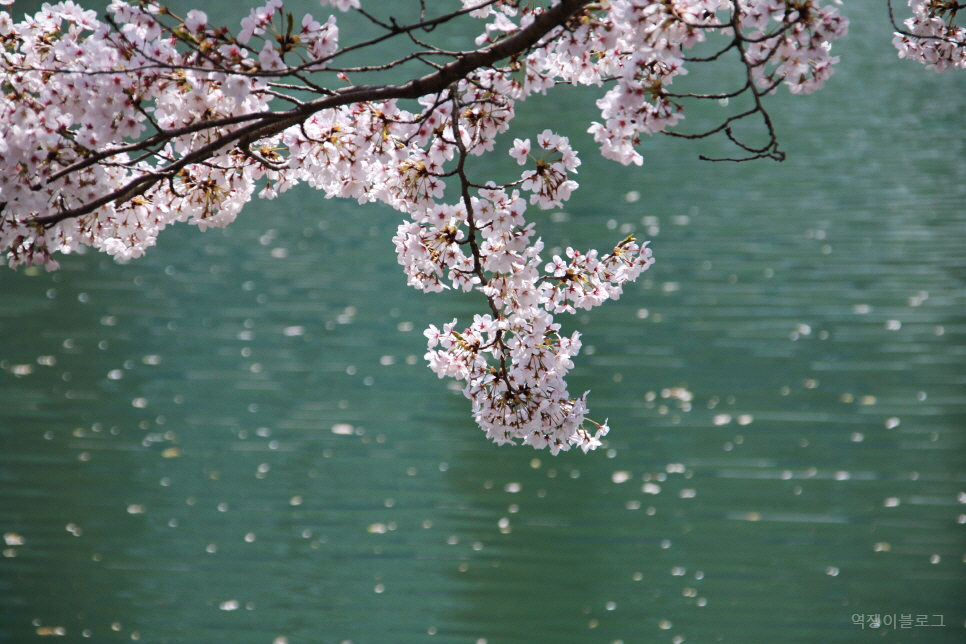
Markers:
point(270, 58)
point(309, 24)
point(432, 334)
point(236, 87)
point(342, 5)
point(195, 21)
point(520, 150)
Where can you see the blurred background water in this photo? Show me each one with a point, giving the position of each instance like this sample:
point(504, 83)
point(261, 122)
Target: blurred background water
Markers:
point(235, 438)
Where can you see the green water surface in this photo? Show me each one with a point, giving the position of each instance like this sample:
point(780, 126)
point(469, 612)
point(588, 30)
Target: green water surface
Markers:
point(236, 438)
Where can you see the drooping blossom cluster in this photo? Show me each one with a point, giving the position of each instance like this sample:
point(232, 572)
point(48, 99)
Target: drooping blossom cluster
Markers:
point(931, 35)
point(113, 129)
point(514, 359)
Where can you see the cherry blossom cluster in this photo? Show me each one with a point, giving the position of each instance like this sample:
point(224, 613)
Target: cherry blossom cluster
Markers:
point(514, 360)
point(111, 130)
point(514, 364)
point(638, 47)
point(645, 42)
point(931, 35)
point(79, 97)
point(797, 53)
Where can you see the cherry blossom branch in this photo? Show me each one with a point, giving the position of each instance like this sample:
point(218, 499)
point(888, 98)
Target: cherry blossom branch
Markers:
point(950, 8)
point(271, 123)
point(112, 131)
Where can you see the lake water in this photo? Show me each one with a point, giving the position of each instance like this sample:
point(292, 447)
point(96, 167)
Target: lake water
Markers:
point(235, 438)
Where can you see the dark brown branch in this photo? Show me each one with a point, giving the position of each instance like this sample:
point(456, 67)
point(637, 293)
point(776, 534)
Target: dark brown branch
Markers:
point(471, 236)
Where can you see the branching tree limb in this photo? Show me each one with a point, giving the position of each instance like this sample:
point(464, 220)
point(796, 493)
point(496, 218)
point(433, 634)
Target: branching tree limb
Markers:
point(114, 129)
